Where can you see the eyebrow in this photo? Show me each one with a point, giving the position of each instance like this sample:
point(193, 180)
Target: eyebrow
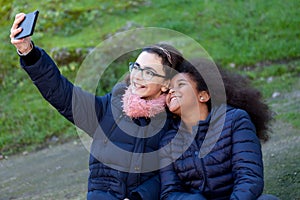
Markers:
point(150, 68)
point(146, 67)
point(182, 79)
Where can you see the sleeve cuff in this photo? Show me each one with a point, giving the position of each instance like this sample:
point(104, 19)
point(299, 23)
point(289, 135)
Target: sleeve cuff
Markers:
point(31, 57)
point(26, 53)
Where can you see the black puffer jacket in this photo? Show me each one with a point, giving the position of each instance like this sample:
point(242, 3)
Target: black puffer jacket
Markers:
point(230, 168)
point(119, 168)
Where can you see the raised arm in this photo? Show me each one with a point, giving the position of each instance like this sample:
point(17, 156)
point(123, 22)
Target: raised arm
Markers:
point(81, 108)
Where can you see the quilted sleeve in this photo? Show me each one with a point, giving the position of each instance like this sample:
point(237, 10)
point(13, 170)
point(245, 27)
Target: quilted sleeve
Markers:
point(171, 185)
point(246, 158)
point(79, 107)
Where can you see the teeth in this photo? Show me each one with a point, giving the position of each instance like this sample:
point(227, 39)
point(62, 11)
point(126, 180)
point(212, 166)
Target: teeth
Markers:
point(173, 101)
point(173, 98)
point(173, 104)
point(138, 85)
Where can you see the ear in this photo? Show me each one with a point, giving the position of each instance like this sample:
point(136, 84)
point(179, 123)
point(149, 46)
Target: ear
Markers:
point(203, 96)
point(165, 86)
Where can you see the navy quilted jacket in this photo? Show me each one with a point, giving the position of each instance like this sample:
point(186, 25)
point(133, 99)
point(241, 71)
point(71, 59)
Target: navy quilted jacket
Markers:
point(231, 168)
point(118, 169)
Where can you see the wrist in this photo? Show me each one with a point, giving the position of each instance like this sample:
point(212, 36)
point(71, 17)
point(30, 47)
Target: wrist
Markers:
point(24, 52)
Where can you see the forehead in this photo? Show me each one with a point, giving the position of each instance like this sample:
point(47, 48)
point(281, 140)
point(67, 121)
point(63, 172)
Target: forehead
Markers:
point(183, 77)
point(149, 59)
point(180, 77)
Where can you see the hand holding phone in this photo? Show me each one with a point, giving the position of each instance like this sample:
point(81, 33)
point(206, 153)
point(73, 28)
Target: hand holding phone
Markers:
point(28, 25)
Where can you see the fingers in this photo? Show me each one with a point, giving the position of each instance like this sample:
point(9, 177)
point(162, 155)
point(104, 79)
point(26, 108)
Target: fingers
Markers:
point(14, 32)
point(24, 44)
point(18, 18)
point(14, 29)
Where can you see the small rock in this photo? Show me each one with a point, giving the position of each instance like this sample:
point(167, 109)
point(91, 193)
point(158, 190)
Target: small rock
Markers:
point(53, 139)
point(232, 65)
point(275, 94)
point(270, 79)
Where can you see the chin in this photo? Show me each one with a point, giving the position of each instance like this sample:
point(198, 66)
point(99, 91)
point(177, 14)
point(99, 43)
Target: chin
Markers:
point(140, 94)
point(176, 110)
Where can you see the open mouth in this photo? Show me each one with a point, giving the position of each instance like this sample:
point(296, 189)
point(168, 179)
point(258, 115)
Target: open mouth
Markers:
point(173, 99)
point(137, 85)
point(173, 103)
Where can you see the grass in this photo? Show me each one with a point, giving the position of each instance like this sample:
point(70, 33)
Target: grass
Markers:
point(231, 31)
point(281, 155)
point(27, 122)
point(259, 38)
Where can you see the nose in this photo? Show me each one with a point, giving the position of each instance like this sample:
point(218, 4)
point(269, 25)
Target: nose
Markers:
point(137, 74)
point(171, 90)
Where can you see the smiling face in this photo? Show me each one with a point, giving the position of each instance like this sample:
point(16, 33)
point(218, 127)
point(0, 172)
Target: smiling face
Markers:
point(185, 100)
point(148, 89)
point(183, 95)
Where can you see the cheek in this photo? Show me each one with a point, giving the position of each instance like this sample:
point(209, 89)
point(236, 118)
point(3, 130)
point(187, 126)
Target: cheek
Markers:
point(168, 99)
point(133, 76)
point(189, 98)
point(130, 78)
point(153, 86)
point(155, 81)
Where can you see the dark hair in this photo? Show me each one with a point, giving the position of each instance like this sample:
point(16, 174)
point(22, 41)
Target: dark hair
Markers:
point(238, 89)
point(171, 57)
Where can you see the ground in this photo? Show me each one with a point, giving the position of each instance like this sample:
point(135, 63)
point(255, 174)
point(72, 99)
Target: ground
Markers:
point(59, 172)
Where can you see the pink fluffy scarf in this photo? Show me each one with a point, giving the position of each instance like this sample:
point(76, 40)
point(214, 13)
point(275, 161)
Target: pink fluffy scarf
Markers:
point(136, 107)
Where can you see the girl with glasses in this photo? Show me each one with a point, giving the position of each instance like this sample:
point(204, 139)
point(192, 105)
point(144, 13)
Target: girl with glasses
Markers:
point(125, 124)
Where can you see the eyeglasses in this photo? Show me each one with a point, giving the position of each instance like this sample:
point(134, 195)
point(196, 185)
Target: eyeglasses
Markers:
point(147, 73)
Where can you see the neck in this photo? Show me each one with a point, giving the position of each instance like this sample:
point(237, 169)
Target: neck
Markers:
point(191, 118)
point(135, 107)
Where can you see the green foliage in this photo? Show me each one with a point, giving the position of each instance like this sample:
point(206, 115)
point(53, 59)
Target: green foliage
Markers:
point(26, 120)
point(274, 78)
point(234, 31)
point(114, 73)
point(288, 111)
point(5, 9)
point(291, 117)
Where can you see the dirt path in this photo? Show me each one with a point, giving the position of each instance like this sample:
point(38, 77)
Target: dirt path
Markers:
point(54, 173)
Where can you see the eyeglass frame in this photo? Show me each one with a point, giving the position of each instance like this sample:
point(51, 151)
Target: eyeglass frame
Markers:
point(131, 64)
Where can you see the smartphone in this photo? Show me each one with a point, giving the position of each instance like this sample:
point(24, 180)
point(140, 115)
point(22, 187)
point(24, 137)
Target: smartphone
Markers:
point(28, 25)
